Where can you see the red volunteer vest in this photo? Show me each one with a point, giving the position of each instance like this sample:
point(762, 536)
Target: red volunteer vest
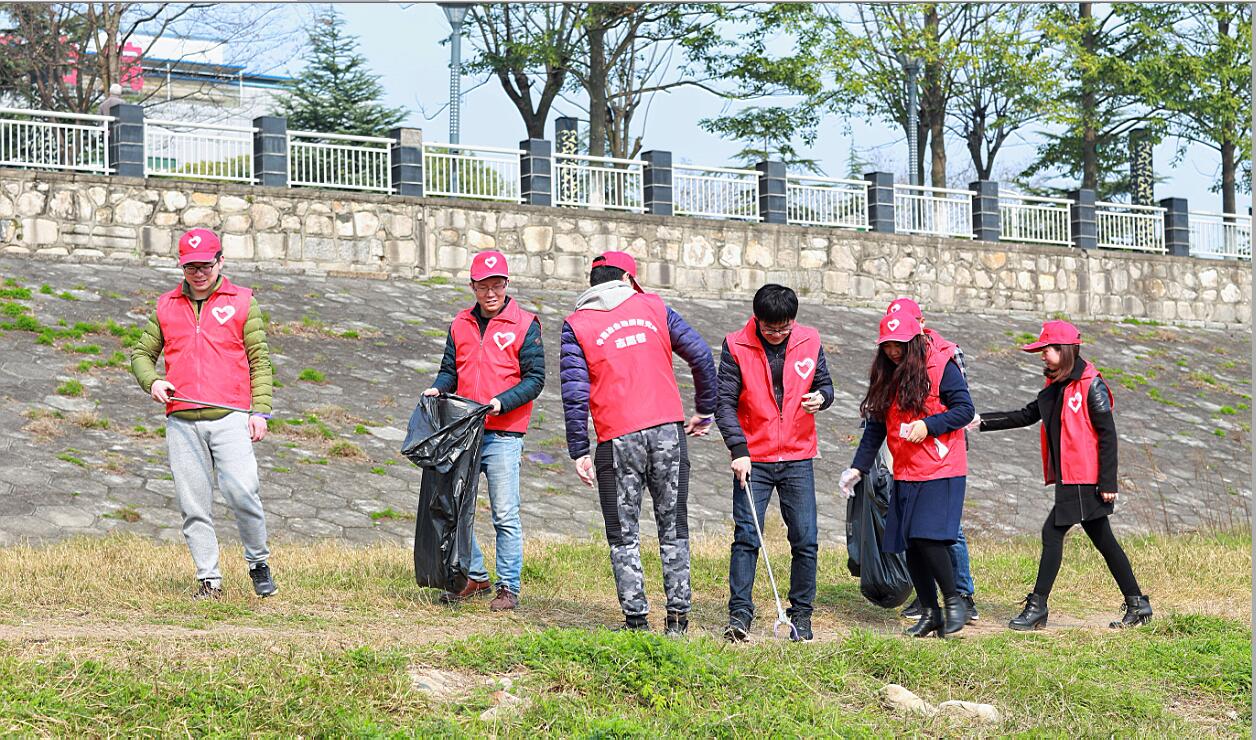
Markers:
point(776, 434)
point(945, 456)
point(205, 357)
point(1079, 444)
point(629, 353)
point(489, 364)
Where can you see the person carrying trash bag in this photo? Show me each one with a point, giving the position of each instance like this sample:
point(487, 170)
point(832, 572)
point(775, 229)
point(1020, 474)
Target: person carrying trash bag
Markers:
point(616, 365)
point(494, 356)
point(958, 551)
point(773, 378)
point(1079, 456)
point(217, 392)
point(918, 402)
point(445, 437)
point(883, 576)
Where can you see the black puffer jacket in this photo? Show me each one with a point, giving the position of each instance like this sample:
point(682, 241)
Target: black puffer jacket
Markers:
point(1074, 503)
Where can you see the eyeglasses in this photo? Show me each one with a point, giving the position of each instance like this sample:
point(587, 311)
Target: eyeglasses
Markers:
point(204, 269)
point(493, 288)
point(784, 331)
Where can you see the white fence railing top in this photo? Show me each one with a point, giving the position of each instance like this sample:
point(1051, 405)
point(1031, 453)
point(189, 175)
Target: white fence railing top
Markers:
point(473, 148)
point(207, 126)
point(1129, 207)
point(1238, 218)
point(1011, 195)
point(724, 170)
point(51, 114)
point(341, 137)
point(600, 160)
point(830, 180)
point(926, 189)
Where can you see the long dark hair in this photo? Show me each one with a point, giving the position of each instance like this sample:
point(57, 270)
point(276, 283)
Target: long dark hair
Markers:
point(907, 382)
point(1068, 358)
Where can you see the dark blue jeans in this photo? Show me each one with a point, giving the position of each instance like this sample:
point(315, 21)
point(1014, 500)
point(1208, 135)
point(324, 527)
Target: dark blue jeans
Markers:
point(795, 487)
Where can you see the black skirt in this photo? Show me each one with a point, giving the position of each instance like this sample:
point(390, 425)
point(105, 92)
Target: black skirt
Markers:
point(1075, 504)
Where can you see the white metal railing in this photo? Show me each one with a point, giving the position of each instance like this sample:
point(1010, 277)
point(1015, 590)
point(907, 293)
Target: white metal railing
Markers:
point(826, 201)
point(55, 141)
point(919, 209)
point(206, 151)
point(715, 192)
point(599, 183)
point(482, 172)
point(342, 161)
point(1032, 218)
point(1220, 235)
point(1126, 226)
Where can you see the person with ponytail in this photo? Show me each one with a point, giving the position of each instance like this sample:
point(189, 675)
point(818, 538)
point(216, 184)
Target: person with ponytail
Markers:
point(1079, 456)
point(918, 403)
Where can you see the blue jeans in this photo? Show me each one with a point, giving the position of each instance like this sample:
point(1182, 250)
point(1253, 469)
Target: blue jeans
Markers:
point(499, 459)
point(795, 486)
point(959, 562)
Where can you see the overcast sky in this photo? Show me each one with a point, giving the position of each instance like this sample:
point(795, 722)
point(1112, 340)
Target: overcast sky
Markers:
point(403, 45)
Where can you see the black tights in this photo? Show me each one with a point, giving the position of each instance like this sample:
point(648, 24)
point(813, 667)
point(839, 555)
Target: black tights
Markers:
point(928, 562)
point(1100, 533)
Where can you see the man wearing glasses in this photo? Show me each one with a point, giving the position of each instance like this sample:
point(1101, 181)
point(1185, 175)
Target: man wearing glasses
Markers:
point(212, 334)
point(773, 378)
point(493, 355)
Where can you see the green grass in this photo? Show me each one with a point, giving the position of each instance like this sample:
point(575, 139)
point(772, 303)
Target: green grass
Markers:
point(389, 513)
point(1141, 322)
point(349, 334)
point(22, 294)
point(379, 471)
point(125, 514)
point(85, 349)
point(434, 333)
point(310, 375)
point(46, 289)
point(70, 388)
point(360, 429)
point(66, 295)
point(11, 309)
point(1156, 395)
point(72, 459)
point(1227, 411)
point(345, 449)
point(435, 280)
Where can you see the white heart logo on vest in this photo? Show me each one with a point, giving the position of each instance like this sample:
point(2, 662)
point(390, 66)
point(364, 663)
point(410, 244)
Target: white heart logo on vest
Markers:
point(491, 262)
point(223, 313)
point(895, 307)
point(1075, 403)
point(504, 339)
point(194, 241)
point(892, 324)
point(804, 367)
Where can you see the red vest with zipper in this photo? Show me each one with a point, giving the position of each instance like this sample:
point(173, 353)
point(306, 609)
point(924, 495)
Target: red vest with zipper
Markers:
point(776, 434)
point(1079, 443)
point(205, 357)
point(944, 456)
point(489, 364)
point(629, 353)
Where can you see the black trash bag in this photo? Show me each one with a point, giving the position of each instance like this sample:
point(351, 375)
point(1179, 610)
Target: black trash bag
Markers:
point(883, 577)
point(444, 438)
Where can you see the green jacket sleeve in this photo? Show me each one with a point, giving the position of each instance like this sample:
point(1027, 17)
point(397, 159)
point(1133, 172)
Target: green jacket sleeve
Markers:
point(145, 353)
point(261, 373)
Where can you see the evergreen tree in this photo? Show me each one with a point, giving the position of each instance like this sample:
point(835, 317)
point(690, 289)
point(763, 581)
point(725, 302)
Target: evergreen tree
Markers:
point(336, 92)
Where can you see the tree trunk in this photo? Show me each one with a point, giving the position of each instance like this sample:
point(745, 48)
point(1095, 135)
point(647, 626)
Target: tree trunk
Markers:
point(1090, 136)
point(1228, 187)
point(933, 113)
point(597, 90)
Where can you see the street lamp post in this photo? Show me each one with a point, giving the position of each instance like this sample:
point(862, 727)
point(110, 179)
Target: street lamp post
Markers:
point(455, 13)
point(912, 66)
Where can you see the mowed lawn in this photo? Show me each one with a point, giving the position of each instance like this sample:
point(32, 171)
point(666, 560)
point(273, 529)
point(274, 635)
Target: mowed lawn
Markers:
point(99, 637)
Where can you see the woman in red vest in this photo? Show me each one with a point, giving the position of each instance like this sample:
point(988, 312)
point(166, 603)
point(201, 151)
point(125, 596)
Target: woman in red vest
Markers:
point(1079, 457)
point(918, 403)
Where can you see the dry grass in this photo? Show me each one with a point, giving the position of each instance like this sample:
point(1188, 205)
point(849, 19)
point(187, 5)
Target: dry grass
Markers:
point(333, 414)
point(44, 425)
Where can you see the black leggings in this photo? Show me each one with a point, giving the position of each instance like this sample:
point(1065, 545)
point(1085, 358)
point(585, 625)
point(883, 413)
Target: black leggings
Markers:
point(929, 563)
point(1100, 533)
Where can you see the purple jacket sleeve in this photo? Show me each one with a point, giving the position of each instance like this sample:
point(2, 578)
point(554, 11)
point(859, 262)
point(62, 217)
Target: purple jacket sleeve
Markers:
point(695, 351)
point(573, 376)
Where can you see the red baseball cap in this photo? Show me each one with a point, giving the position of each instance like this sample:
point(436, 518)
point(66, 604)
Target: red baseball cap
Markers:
point(1055, 332)
point(198, 245)
point(898, 328)
point(489, 264)
point(623, 261)
point(905, 307)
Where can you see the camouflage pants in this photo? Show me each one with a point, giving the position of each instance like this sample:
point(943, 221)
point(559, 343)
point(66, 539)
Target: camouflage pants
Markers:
point(658, 459)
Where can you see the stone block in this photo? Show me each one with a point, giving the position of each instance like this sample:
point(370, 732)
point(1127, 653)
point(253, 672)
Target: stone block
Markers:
point(157, 242)
point(52, 252)
point(698, 251)
point(63, 205)
point(237, 223)
point(269, 246)
point(264, 216)
point(30, 203)
point(478, 241)
point(537, 238)
point(317, 225)
point(402, 252)
point(810, 259)
point(573, 243)
point(173, 200)
point(237, 246)
point(204, 199)
point(365, 223)
point(201, 216)
point(452, 258)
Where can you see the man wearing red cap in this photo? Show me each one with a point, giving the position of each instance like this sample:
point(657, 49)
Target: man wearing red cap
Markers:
point(217, 393)
point(493, 355)
point(616, 364)
point(958, 551)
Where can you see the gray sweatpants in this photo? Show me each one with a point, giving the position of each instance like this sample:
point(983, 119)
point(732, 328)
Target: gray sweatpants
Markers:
point(198, 451)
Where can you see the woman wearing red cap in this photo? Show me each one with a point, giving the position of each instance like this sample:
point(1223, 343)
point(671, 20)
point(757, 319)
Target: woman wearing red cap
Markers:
point(918, 403)
point(1079, 457)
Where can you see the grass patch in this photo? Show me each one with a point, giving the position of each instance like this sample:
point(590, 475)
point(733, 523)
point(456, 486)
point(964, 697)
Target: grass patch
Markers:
point(379, 471)
point(85, 349)
point(21, 294)
point(1227, 411)
point(13, 310)
point(310, 375)
point(435, 280)
point(360, 429)
point(72, 459)
point(46, 289)
point(1155, 395)
point(346, 450)
point(389, 513)
point(125, 514)
point(70, 388)
point(348, 334)
point(434, 333)
point(66, 295)
point(1141, 322)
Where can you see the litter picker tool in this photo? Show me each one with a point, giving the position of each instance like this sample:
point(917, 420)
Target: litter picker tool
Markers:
point(781, 619)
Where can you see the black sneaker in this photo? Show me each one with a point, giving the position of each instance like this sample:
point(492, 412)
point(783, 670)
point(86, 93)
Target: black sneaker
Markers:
point(639, 623)
point(263, 584)
point(677, 624)
point(913, 610)
point(207, 591)
point(802, 628)
point(972, 608)
point(738, 629)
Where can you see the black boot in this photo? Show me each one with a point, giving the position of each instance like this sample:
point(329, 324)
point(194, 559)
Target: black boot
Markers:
point(913, 609)
point(1033, 617)
point(930, 621)
point(677, 624)
point(634, 623)
point(1135, 611)
point(954, 614)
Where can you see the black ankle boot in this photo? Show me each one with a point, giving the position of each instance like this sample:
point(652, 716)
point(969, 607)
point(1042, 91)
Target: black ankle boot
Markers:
point(954, 614)
point(1135, 611)
point(1034, 616)
point(930, 621)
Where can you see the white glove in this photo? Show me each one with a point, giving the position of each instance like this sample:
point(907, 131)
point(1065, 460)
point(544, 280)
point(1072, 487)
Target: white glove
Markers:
point(846, 484)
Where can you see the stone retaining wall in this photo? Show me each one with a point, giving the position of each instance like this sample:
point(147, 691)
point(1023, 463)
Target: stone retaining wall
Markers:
point(91, 217)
